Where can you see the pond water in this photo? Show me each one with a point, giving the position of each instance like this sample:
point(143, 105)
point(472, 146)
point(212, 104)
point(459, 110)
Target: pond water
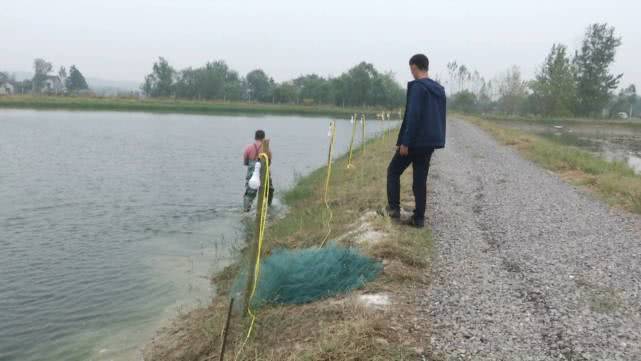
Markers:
point(112, 222)
point(614, 142)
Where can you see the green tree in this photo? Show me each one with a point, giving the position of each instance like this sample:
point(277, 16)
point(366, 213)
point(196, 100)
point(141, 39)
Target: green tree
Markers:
point(512, 91)
point(463, 76)
point(360, 79)
point(215, 74)
point(260, 86)
point(23, 87)
point(213, 81)
point(340, 90)
point(233, 86)
point(464, 101)
point(363, 85)
point(485, 102)
point(62, 74)
point(186, 85)
point(76, 81)
point(635, 111)
point(626, 102)
point(286, 92)
point(554, 90)
point(594, 81)
point(41, 69)
point(314, 88)
point(452, 70)
point(386, 91)
point(161, 81)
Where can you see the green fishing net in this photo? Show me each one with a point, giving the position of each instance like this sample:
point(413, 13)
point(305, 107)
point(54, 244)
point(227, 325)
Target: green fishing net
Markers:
point(304, 275)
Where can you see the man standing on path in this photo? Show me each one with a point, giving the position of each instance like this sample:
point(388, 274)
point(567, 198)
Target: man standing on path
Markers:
point(250, 158)
point(422, 131)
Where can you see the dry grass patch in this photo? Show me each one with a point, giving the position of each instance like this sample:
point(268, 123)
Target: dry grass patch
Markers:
point(325, 330)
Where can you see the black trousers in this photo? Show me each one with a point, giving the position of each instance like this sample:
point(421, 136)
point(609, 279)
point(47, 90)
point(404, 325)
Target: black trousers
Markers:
point(420, 161)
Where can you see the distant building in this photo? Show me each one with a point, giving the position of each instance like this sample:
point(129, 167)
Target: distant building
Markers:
point(53, 84)
point(6, 88)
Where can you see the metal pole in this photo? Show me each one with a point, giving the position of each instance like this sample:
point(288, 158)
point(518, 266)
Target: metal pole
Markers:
point(363, 135)
point(224, 335)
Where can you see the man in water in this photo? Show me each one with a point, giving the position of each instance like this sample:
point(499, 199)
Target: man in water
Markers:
point(422, 131)
point(250, 158)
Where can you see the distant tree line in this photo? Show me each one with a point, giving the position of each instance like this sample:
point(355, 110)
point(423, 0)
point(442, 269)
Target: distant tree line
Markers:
point(579, 85)
point(46, 82)
point(362, 85)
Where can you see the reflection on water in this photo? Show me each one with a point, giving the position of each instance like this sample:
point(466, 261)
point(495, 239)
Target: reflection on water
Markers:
point(112, 222)
point(611, 141)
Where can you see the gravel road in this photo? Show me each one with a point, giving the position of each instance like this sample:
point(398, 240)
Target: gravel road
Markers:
point(526, 266)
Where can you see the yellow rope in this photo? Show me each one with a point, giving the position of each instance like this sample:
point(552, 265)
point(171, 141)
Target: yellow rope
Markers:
point(351, 143)
point(261, 235)
point(327, 178)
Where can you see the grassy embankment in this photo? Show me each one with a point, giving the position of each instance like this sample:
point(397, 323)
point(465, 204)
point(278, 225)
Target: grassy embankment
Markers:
point(634, 122)
point(338, 328)
point(170, 105)
point(614, 182)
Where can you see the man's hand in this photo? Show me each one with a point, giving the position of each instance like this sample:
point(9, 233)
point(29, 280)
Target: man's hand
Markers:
point(403, 151)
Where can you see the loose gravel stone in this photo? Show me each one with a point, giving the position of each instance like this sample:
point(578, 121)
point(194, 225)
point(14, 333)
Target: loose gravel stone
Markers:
point(526, 267)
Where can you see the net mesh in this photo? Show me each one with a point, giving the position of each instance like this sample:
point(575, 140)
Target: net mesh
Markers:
point(304, 275)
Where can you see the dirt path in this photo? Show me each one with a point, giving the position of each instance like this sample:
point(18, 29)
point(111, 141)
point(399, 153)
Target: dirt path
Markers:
point(526, 267)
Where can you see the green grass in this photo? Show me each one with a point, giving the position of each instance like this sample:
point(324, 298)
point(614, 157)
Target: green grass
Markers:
point(600, 298)
point(614, 182)
point(174, 106)
point(634, 122)
point(334, 328)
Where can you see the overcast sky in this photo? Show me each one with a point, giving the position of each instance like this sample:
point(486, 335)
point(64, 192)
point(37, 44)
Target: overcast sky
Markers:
point(120, 39)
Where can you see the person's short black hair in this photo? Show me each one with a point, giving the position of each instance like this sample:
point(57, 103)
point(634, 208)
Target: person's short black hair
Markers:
point(421, 61)
point(260, 135)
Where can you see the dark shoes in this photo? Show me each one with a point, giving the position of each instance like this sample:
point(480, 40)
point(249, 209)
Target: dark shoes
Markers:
point(389, 212)
point(413, 222)
point(395, 214)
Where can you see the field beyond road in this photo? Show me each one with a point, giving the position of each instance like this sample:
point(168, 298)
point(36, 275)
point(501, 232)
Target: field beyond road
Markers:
point(176, 106)
point(613, 181)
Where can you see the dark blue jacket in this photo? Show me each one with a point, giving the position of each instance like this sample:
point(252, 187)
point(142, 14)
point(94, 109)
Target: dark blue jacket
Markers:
point(424, 121)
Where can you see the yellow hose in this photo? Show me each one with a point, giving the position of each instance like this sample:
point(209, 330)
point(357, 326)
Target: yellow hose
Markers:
point(261, 236)
point(332, 128)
